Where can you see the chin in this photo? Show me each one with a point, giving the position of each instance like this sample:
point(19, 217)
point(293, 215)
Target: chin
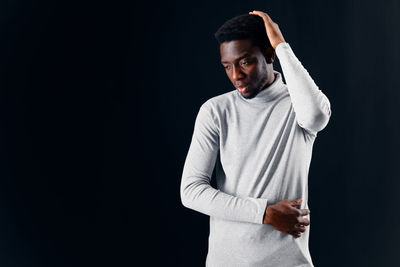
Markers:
point(249, 95)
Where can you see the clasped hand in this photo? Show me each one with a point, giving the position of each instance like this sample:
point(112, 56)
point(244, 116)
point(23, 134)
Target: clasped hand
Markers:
point(284, 217)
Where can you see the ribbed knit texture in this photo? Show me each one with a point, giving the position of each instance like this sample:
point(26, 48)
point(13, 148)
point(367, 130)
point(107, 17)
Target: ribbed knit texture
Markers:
point(261, 149)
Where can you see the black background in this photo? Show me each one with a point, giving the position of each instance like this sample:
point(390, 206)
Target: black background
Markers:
point(98, 101)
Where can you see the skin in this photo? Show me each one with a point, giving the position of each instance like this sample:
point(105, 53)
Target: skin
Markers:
point(246, 64)
point(284, 217)
point(252, 66)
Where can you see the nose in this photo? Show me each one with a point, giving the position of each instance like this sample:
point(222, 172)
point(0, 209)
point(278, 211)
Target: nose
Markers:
point(237, 73)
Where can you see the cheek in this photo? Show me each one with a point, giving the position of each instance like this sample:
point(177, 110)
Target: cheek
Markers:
point(256, 75)
point(262, 68)
point(262, 72)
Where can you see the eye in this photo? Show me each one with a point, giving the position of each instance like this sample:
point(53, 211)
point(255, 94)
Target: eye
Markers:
point(244, 63)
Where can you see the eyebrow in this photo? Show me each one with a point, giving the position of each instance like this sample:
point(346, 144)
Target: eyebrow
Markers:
point(239, 58)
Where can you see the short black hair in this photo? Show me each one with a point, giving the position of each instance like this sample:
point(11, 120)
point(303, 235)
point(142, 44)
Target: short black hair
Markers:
point(244, 27)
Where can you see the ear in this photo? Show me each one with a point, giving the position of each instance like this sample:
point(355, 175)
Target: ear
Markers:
point(269, 54)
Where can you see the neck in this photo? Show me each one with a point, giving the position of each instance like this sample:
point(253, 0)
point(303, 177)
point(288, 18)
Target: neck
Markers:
point(269, 92)
point(270, 80)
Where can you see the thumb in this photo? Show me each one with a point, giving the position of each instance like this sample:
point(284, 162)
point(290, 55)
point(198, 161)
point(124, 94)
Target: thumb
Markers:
point(297, 202)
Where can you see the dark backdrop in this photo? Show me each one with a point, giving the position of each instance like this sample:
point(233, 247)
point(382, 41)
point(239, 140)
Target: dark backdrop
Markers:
point(98, 102)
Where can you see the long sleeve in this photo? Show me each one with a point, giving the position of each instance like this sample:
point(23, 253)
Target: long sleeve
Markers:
point(311, 106)
point(196, 191)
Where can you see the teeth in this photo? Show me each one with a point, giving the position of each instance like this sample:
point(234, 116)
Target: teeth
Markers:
point(241, 89)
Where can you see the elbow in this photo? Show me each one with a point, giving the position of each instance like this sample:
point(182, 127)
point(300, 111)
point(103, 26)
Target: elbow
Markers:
point(321, 120)
point(184, 199)
point(323, 115)
point(317, 122)
point(185, 195)
point(191, 191)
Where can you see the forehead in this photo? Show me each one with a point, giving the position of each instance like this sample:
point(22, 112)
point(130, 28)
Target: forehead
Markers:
point(230, 51)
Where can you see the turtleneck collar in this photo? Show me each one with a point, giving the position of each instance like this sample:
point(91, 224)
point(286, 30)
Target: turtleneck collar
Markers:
point(268, 93)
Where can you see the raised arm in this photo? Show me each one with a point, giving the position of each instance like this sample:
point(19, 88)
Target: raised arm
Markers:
point(311, 106)
point(196, 191)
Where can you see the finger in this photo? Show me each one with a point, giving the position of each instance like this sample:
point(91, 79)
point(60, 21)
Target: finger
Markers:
point(296, 203)
point(295, 233)
point(262, 14)
point(304, 212)
point(299, 227)
point(304, 221)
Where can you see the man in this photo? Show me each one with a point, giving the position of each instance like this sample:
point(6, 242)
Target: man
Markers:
point(260, 136)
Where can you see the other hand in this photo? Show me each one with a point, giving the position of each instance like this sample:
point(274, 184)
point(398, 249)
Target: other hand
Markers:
point(284, 217)
point(273, 32)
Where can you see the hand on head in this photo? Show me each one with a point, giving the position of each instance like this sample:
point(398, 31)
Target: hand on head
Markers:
point(273, 32)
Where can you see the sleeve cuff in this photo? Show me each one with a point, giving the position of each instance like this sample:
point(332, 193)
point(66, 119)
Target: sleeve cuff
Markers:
point(281, 47)
point(262, 205)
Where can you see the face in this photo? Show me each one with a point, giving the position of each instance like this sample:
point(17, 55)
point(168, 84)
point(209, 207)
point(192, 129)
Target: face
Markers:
point(249, 69)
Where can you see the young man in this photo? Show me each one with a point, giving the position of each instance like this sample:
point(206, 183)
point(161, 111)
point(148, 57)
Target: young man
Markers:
point(260, 136)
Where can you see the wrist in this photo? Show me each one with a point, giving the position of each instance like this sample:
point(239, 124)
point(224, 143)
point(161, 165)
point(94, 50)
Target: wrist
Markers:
point(278, 43)
point(266, 216)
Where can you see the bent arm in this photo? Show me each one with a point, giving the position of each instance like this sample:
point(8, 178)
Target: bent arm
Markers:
point(196, 191)
point(311, 106)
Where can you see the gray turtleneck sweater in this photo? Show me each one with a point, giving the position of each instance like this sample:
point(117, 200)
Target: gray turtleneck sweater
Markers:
point(261, 149)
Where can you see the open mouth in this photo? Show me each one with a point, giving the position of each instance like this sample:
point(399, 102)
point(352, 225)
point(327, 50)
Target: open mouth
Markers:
point(242, 89)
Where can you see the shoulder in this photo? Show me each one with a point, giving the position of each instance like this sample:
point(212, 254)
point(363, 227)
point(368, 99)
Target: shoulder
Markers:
point(213, 110)
point(220, 102)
